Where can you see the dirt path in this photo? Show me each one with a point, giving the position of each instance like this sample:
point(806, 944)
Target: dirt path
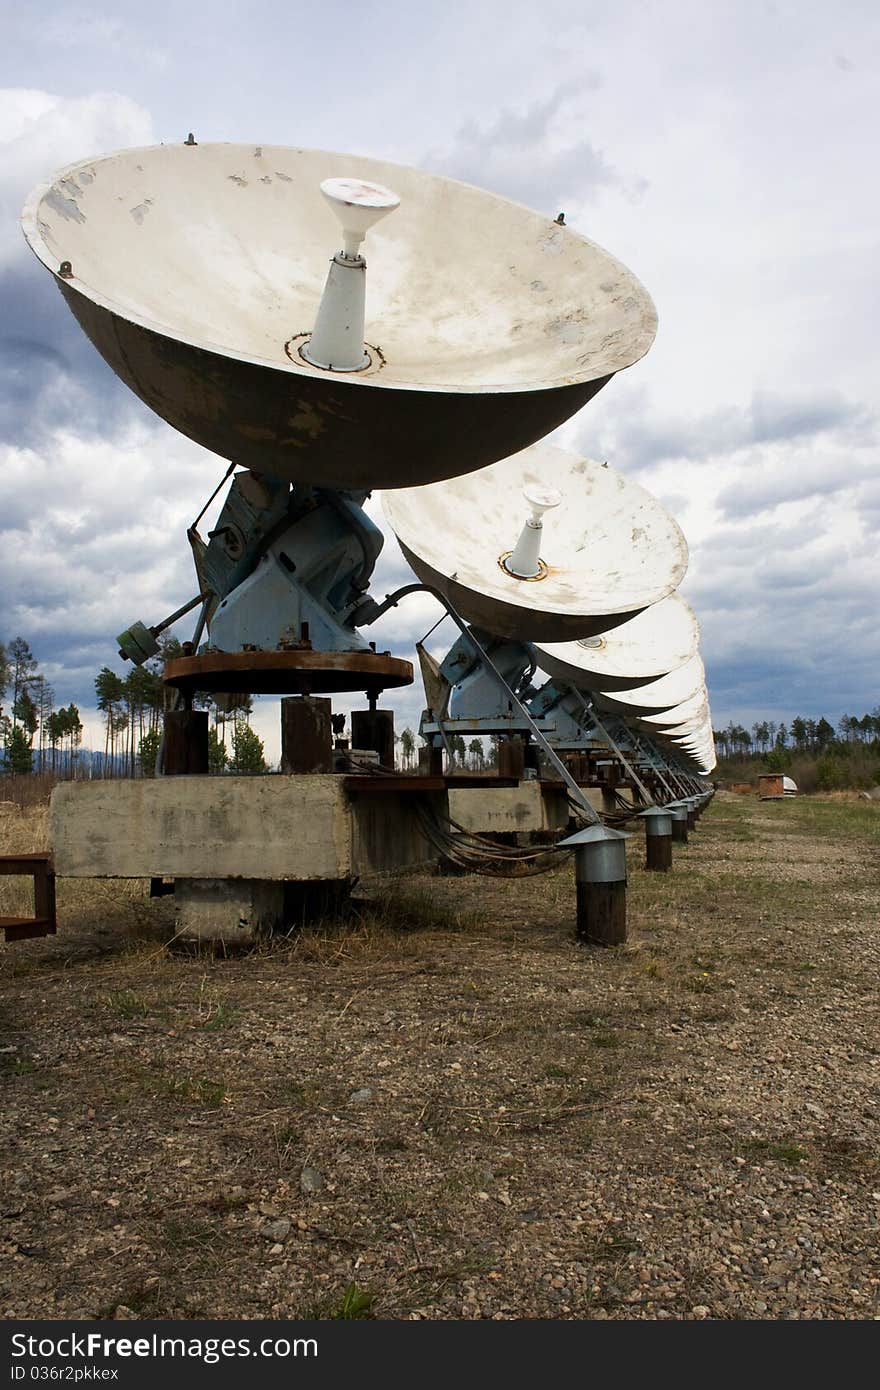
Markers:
point(452, 1109)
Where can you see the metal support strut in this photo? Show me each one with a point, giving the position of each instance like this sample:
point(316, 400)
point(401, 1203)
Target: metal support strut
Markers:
point(575, 792)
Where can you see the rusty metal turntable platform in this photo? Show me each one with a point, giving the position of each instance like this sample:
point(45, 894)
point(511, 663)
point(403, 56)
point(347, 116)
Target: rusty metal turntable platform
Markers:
point(295, 672)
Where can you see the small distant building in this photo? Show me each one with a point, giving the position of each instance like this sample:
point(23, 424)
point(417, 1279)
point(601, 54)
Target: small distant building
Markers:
point(773, 786)
point(743, 788)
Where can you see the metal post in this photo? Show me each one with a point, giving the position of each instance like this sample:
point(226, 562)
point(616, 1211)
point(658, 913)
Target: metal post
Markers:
point(600, 873)
point(431, 760)
point(679, 822)
point(658, 839)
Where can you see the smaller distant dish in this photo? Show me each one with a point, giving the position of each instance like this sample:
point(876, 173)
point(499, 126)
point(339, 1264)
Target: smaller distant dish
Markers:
point(685, 718)
point(658, 640)
point(659, 695)
point(606, 549)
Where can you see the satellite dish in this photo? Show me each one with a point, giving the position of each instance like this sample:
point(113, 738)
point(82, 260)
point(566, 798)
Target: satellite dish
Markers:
point(608, 551)
point(198, 272)
point(658, 640)
point(657, 696)
point(686, 717)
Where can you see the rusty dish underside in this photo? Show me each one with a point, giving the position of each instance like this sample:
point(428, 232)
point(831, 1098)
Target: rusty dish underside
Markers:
point(287, 673)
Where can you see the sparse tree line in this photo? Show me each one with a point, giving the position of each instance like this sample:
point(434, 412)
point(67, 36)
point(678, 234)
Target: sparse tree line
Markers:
point(37, 737)
point(473, 756)
point(818, 755)
point(34, 735)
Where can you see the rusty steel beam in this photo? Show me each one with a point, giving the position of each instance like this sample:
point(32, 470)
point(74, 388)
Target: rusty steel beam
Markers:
point(38, 867)
point(298, 672)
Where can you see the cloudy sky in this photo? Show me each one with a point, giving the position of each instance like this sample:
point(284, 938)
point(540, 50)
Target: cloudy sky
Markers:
point(726, 152)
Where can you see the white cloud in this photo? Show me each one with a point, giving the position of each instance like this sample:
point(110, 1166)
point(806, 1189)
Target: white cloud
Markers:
point(724, 152)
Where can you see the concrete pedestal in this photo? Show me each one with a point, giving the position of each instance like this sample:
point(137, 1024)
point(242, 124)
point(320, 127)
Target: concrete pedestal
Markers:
point(234, 911)
point(250, 855)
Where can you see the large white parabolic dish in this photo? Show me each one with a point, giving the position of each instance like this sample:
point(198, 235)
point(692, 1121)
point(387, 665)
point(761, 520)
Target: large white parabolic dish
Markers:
point(197, 271)
point(608, 550)
point(657, 696)
point(655, 642)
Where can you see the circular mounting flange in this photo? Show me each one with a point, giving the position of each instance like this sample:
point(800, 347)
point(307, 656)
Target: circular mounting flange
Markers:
point(190, 267)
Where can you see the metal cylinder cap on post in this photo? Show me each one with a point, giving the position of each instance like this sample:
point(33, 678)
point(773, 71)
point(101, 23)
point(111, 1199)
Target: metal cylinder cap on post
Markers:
point(658, 838)
point(600, 873)
point(678, 812)
point(692, 812)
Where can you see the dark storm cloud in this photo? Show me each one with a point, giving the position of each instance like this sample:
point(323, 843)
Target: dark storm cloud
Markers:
point(823, 658)
point(50, 375)
point(775, 683)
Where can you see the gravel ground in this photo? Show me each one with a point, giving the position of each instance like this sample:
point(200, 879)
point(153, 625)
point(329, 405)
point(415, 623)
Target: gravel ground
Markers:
point(447, 1108)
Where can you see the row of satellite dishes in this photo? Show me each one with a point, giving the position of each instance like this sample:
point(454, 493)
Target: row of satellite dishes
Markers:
point(197, 270)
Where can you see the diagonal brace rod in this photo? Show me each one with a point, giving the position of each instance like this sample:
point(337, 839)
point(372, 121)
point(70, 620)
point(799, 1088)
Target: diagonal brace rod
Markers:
point(576, 792)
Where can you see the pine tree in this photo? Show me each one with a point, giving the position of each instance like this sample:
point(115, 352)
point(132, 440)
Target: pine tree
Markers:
point(407, 747)
point(26, 717)
point(19, 758)
point(73, 730)
point(23, 666)
point(55, 727)
point(148, 752)
point(247, 750)
point(5, 670)
point(217, 754)
point(109, 696)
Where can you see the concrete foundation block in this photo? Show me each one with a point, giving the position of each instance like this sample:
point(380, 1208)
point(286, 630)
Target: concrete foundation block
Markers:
point(203, 828)
point(234, 911)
